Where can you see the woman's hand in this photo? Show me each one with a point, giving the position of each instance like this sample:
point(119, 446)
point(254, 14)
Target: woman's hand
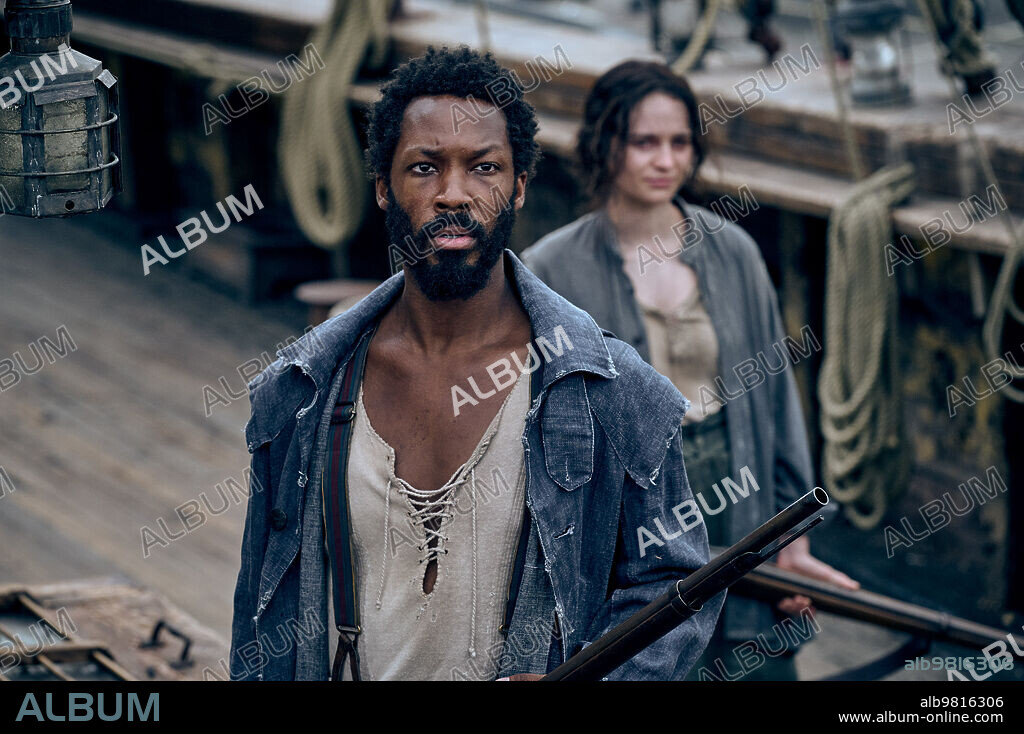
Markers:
point(797, 557)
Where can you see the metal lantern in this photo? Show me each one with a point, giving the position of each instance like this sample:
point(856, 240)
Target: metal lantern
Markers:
point(59, 143)
point(874, 30)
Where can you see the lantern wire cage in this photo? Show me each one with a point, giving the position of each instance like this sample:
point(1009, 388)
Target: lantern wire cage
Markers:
point(59, 136)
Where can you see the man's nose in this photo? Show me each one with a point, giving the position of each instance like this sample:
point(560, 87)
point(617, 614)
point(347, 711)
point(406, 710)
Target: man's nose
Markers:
point(453, 193)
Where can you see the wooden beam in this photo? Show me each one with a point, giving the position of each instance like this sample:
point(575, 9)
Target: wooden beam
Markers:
point(785, 187)
point(520, 42)
point(175, 50)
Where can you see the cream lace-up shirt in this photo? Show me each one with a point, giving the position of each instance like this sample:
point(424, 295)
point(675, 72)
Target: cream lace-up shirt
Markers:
point(684, 348)
point(451, 632)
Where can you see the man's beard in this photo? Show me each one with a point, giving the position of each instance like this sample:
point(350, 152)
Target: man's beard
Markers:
point(451, 276)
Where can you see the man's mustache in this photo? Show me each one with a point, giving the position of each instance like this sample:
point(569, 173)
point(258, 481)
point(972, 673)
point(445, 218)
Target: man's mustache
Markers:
point(462, 220)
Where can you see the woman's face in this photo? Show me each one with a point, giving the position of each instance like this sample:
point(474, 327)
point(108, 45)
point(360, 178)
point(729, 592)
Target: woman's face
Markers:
point(659, 152)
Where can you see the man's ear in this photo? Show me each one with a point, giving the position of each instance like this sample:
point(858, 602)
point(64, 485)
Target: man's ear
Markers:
point(520, 195)
point(381, 190)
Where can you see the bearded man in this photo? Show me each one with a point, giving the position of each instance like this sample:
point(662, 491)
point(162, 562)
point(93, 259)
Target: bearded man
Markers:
point(454, 472)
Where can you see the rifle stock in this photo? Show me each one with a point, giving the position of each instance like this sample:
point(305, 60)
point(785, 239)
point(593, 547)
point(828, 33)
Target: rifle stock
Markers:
point(771, 583)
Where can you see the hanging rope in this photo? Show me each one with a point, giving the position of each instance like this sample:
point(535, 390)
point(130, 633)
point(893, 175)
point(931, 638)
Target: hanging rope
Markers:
point(1002, 301)
point(319, 154)
point(483, 25)
point(963, 51)
point(859, 384)
point(853, 154)
point(699, 39)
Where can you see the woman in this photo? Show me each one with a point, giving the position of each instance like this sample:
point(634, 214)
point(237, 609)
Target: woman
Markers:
point(690, 291)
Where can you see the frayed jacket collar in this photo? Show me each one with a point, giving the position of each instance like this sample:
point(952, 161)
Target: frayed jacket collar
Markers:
point(321, 350)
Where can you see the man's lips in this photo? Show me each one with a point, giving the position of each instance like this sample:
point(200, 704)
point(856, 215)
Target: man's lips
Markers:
point(453, 238)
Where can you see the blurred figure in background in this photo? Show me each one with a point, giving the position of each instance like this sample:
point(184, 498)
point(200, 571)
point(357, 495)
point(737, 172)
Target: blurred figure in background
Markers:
point(694, 311)
point(757, 13)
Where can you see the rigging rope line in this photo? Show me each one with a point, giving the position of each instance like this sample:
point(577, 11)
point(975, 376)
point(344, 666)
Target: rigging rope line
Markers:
point(1002, 301)
point(699, 39)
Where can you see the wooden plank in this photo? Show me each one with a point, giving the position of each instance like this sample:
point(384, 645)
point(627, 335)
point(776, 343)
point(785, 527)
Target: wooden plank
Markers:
point(176, 50)
point(788, 187)
point(234, 24)
point(304, 11)
point(114, 435)
point(817, 194)
point(121, 616)
point(795, 126)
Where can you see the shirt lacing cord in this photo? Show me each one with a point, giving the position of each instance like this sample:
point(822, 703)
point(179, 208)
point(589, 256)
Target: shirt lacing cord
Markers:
point(436, 505)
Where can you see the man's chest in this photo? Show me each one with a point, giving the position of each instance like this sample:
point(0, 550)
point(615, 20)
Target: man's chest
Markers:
point(435, 564)
point(433, 417)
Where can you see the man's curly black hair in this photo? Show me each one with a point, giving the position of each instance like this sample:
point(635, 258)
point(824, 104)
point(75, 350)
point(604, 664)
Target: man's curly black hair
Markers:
point(461, 72)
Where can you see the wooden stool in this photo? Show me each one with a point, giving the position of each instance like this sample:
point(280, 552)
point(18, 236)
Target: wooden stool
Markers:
point(323, 296)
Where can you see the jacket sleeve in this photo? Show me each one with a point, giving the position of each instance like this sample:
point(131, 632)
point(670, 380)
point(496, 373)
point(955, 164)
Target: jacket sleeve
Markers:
point(641, 575)
point(244, 647)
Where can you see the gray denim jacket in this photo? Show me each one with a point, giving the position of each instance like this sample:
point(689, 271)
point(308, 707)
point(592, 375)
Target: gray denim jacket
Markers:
point(582, 262)
point(603, 457)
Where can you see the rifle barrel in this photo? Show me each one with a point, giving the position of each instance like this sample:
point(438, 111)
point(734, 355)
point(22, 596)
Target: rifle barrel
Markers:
point(688, 596)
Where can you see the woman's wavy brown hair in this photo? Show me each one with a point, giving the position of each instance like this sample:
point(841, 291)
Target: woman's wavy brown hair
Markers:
point(606, 116)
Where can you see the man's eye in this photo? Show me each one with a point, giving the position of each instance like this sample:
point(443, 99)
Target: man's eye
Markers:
point(493, 167)
point(418, 167)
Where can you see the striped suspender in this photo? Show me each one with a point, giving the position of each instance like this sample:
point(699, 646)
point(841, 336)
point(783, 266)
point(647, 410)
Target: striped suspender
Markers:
point(336, 519)
point(519, 559)
point(336, 516)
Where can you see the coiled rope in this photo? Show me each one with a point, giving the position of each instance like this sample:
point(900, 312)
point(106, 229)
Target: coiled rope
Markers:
point(319, 154)
point(859, 387)
point(859, 384)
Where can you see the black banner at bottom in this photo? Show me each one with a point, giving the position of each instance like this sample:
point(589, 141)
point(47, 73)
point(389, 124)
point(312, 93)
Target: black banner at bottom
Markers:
point(833, 706)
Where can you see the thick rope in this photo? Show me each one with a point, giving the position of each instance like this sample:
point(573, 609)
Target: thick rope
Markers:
point(853, 154)
point(319, 154)
point(699, 39)
point(859, 384)
point(1002, 301)
point(859, 387)
point(964, 51)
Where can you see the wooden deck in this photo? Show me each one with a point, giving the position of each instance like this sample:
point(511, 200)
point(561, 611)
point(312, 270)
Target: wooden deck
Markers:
point(114, 436)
